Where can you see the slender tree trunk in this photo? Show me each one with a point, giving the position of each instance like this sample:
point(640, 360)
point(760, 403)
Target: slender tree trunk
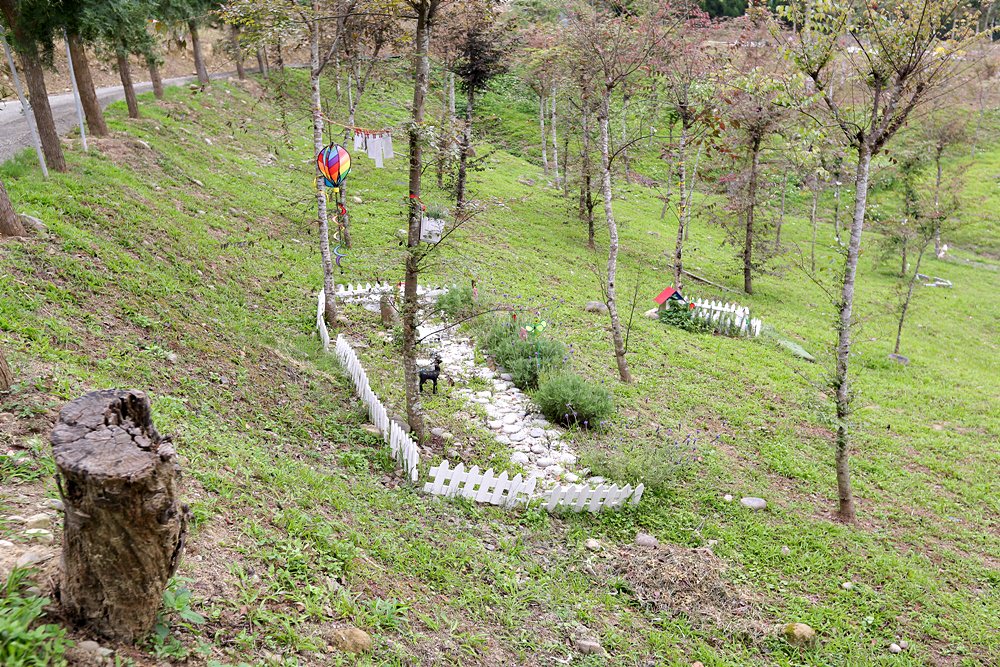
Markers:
point(836, 207)
point(670, 178)
point(125, 74)
point(545, 138)
point(330, 311)
point(616, 326)
point(813, 223)
point(938, 252)
point(909, 296)
point(565, 164)
point(262, 61)
point(34, 77)
point(841, 383)
point(414, 408)
point(155, 77)
point(555, 142)
point(689, 196)
point(85, 85)
point(781, 215)
point(237, 52)
point(586, 186)
point(682, 213)
point(199, 60)
point(751, 210)
point(625, 161)
point(10, 224)
point(463, 158)
point(6, 376)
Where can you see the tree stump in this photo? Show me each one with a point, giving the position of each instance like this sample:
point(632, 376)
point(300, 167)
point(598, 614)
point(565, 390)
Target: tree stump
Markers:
point(124, 526)
point(6, 376)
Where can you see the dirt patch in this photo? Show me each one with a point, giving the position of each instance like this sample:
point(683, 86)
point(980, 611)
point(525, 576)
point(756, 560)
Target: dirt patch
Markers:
point(677, 581)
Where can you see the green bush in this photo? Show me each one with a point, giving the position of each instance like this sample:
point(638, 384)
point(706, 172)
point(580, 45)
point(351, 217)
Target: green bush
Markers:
point(23, 641)
point(457, 303)
point(568, 399)
point(525, 360)
point(683, 316)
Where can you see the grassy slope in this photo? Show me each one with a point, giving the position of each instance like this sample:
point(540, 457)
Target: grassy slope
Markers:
point(142, 261)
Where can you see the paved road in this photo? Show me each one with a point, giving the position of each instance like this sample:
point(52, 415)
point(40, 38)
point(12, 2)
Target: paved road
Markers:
point(14, 136)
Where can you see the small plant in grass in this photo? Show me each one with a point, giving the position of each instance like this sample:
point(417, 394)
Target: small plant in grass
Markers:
point(524, 358)
point(568, 399)
point(176, 611)
point(458, 303)
point(684, 317)
point(23, 641)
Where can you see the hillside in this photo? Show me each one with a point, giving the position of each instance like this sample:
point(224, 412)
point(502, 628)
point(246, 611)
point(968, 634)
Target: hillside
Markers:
point(181, 259)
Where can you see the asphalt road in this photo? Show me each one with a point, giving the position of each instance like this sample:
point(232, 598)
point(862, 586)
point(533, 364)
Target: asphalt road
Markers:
point(14, 135)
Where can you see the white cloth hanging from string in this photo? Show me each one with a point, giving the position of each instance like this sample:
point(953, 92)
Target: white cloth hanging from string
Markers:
point(377, 145)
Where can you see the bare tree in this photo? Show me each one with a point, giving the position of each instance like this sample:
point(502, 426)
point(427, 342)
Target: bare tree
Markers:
point(899, 56)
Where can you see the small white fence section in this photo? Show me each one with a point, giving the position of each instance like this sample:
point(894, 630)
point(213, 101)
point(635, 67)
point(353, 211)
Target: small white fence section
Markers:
point(485, 487)
point(578, 497)
point(728, 318)
point(403, 449)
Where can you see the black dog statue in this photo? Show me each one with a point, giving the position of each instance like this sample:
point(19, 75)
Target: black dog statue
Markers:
point(430, 373)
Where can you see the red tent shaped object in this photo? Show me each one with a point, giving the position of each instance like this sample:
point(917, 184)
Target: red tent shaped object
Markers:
point(669, 294)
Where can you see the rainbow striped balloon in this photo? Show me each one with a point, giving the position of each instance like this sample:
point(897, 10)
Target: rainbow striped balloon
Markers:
point(334, 163)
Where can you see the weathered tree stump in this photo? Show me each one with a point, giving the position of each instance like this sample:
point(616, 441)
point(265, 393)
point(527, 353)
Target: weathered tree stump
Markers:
point(124, 527)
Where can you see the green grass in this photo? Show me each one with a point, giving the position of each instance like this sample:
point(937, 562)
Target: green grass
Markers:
point(204, 295)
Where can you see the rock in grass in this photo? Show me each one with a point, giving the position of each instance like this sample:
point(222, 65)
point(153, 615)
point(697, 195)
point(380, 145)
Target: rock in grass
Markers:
point(31, 222)
point(588, 647)
point(754, 503)
point(351, 640)
point(652, 314)
point(437, 432)
point(847, 585)
point(895, 648)
point(371, 428)
point(785, 551)
point(39, 535)
point(799, 634)
point(900, 359)
point(595, 307)
point(37, 521)
point(592, 544)
point(646, 540)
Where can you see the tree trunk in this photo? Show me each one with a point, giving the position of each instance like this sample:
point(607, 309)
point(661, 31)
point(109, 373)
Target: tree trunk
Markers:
point(124, 523)
point(938, 252)
point(414, 408)
point(154, 76)
point(10, 224)
point(841, 382)
point(555, 142)
point(781, 215)
point(238, 52)
point(909, 296)
point(199, 60)
point(330, 311)
point(682, 213)
point(586, 189)
point(463, 158)
point(616, 326)
point(625, 163)
point(836, 208)
point(813, 222)
point(125, 73)
point(85, 86)
point(261, 62)
point(751, 210)
point(280, 59)
point(34, 77)
point(6, 375)
point(545, 138)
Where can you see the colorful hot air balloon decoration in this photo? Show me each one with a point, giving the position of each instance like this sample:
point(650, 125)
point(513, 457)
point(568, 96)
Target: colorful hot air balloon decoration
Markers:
point(334, 163)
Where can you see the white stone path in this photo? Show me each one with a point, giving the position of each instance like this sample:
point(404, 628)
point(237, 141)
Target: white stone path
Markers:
point(538, 446)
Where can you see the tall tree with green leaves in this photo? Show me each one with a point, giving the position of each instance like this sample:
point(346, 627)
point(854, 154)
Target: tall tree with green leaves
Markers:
point(120, 28)
point(30, 25)
point(77, 39)
point(899, 56)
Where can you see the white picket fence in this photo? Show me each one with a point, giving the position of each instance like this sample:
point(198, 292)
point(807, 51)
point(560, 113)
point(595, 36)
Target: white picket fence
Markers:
point(404, 449)
point(579, 497)
point(487, 487)
point(728, 318)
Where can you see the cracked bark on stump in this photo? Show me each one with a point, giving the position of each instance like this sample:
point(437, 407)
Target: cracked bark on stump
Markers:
point(124, 524)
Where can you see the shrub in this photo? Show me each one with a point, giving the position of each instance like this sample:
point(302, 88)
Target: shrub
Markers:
point(684, 318)
point(523, 359)
point(457, 303)
point(568, 399)
point(25, 642)
point(658, 458)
